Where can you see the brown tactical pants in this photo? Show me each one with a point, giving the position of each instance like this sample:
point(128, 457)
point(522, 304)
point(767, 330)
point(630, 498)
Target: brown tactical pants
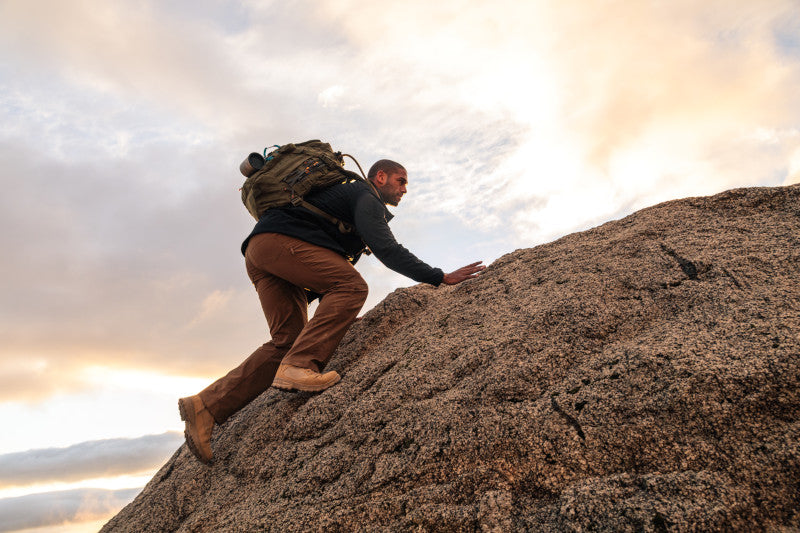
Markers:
point(280, 267)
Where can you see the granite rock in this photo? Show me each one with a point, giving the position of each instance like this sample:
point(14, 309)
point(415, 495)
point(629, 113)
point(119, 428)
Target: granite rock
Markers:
point(640, 376)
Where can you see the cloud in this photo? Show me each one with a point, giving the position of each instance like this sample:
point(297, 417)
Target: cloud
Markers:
point(121, 131)
point(331, 96)
point(149, 55)
point(87, 460)
point(110, 261)
point(56, 508)
point(590, 114)
point(124, 197)
point(793, 176)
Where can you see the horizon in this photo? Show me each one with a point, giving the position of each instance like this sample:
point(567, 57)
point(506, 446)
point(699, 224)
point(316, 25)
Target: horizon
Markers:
point(123, 127)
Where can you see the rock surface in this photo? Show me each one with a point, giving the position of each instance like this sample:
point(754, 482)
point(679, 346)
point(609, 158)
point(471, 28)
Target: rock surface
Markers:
point(642, 375)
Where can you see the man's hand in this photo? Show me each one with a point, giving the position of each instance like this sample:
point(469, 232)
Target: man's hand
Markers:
point(463, 273)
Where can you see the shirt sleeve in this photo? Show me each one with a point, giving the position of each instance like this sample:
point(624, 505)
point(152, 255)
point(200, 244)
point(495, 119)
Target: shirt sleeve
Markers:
point(371, 225)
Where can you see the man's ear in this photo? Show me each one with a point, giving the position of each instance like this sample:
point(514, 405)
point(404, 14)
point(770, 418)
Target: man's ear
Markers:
point(380, 178)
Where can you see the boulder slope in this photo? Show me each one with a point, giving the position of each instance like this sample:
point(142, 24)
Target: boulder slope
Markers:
point(642, 375)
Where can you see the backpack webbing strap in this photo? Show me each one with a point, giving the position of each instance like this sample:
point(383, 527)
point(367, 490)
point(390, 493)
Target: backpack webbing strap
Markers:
point(344, 227)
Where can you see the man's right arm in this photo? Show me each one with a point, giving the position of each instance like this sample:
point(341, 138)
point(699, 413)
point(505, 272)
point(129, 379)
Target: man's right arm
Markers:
point(464, 273)
point(371, 225)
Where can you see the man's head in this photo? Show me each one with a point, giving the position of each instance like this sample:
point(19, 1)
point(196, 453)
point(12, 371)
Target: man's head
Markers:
point(390, 178)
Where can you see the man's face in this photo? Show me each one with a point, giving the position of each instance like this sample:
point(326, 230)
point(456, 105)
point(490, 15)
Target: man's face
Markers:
point(392, 186)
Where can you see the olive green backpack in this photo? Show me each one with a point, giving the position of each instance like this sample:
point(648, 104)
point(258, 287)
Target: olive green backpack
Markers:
point(288, 173)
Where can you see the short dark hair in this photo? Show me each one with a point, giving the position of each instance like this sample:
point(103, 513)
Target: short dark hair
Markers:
point(386, 165)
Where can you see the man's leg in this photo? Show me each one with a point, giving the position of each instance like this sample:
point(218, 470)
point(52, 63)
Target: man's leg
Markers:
point(285, 308)
point(325, 272)
point(280, 267)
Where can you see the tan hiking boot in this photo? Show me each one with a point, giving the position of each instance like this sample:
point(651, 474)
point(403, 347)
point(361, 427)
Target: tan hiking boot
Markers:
point(199, 424)
point(291, 377)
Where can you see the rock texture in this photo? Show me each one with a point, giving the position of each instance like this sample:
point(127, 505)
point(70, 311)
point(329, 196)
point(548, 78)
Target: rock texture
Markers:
point(642, 375)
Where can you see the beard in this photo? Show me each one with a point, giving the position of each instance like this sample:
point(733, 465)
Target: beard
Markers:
point(389, 195)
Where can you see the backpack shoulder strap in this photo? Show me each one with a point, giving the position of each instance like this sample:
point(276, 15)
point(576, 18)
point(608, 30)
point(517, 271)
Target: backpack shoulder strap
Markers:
point(363, 177)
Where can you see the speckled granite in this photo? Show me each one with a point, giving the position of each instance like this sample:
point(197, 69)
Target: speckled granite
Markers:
point(640, 376)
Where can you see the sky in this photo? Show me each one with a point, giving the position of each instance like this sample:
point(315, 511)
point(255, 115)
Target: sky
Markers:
point(122, 125)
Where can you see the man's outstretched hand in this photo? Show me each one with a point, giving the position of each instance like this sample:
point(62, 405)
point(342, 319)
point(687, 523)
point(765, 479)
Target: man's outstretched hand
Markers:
point(463, 273)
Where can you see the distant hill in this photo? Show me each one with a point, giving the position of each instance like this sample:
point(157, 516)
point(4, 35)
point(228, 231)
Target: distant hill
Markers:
point(642, 375)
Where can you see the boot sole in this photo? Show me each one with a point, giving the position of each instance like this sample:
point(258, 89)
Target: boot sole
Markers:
point(285, 384)
point(187, 417)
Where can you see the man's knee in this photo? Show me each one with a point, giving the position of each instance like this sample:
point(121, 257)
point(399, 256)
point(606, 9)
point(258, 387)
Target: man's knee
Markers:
point(363, 288)
point(354, 290)
point(358, 288)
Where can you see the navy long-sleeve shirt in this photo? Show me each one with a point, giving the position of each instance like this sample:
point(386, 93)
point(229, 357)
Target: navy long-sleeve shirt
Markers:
point(356, 204)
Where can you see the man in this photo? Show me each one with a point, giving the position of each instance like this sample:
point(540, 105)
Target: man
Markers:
point(290, 253)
